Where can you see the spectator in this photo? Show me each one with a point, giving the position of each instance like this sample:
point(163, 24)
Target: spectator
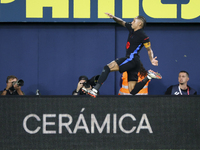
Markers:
point(13, 86)
point(182, 88)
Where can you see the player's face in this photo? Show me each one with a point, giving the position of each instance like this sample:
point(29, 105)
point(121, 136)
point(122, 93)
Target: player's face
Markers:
point(136, 23)
point(183, 78)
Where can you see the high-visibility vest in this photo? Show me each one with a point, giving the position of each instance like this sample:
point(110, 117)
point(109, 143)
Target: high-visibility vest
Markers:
point(124, 89)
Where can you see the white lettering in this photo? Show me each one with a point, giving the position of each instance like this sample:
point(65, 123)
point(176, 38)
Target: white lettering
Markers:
point(121, 120)
point(25, 124)
point(81, 124)
point(148, 126)
point(61, 124)
point(77, 126)
point(45, 123)
point(100, 129)
point(114, 123)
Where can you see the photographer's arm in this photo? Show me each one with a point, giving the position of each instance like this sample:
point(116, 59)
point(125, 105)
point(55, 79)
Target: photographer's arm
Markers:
point(79, 86)
point(9, 85)
point(75, 92)
point(4, 92)
point(18, 89)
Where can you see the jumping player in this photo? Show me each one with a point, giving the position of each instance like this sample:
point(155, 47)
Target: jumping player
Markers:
point(131, 63)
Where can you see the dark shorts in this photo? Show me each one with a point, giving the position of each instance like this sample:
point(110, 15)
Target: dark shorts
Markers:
point(131, 66)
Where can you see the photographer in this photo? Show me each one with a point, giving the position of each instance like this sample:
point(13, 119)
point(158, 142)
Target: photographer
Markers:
point(84, 82)
point(13, 86)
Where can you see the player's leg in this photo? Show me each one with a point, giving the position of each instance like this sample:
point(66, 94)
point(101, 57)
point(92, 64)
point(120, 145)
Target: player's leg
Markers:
point(140, 85)
point(113, 66)
point(133, 78)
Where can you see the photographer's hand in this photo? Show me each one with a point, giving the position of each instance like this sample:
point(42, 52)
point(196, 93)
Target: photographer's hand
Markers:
point(80, 85)
point(89, 88)
point(18, 89)
point(9, 85)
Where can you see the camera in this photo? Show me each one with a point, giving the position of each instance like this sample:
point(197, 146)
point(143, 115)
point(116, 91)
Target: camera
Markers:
point(86, 84)
point(18, 82)
point(92, 82)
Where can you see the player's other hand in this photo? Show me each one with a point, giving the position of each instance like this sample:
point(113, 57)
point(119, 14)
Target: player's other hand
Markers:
point(109, 15)
point(154, 61)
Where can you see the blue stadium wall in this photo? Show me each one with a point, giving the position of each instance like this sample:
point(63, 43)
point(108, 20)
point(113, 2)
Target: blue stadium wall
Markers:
point(51, 56)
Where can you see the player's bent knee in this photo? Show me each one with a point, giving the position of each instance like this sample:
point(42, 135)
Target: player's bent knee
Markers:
point(106, 68)
point(113, 66)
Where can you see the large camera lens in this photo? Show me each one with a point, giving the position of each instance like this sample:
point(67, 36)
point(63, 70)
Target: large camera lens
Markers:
point(20, 82)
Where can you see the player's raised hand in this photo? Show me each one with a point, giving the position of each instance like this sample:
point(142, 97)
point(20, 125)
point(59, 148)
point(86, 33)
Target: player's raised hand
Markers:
point(154, 61)
point(109, 15)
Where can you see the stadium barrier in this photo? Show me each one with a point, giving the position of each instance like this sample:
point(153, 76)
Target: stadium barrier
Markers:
point(106, 122)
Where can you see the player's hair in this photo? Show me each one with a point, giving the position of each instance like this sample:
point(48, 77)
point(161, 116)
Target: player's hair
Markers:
point(184, 72)
point(143, 19)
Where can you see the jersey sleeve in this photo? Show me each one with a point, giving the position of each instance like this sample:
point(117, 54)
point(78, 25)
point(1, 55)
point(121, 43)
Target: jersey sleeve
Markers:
point(146, 42)
point(128, 26)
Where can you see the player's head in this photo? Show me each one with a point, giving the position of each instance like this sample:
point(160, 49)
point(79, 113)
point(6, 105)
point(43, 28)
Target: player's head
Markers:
point(143, 19)
point(138, 22)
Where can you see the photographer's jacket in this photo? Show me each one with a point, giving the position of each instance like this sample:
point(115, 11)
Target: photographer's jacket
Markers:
point(10, 93)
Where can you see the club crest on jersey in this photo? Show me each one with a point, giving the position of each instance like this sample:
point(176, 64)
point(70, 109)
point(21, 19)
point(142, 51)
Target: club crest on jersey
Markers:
point(128, 45)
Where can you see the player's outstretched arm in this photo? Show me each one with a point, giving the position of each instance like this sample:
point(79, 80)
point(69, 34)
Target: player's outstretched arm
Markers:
point(116, 19)
point(153, 59)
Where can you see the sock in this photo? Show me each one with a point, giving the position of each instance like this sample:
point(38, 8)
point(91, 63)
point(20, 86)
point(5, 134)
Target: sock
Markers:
point(139, 86)
point(102, 77)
